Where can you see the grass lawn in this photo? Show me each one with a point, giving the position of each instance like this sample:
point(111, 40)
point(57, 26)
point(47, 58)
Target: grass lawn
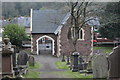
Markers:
point(31, 71)
point(75, 74)
point(61, 65)
point(69, 73)
point(105, 49)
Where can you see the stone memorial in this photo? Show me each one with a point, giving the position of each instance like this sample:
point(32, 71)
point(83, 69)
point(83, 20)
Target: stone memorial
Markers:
point(100, 66)
point(68, 60)
point(63, 58)
point(7, 52)
point(114, 59)
point(22, 58)
point(31, 61)
point(14, 55)
point(81, 63)
point(89, 67)
point(75, 61)
point(0, 62)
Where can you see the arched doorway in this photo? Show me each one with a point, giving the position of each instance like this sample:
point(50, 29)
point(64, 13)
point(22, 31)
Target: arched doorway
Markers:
point(45, 44)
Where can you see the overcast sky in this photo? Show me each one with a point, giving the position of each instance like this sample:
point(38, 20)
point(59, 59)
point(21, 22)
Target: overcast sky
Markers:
point(57, 0)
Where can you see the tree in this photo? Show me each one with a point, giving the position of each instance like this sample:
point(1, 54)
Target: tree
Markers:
point(80, 14)
point(110, 13)
point(16, 34)
point(111, 21)
point(111, 31)
point(15, 9)
point(9, 11)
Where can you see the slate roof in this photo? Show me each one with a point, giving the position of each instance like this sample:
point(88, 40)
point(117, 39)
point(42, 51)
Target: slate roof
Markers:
point(93, 22)
point(46, 21)
point(3, 23)
point(22, 21)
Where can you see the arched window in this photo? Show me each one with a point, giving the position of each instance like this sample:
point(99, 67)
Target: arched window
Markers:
point(81, 34)
point(72, 32)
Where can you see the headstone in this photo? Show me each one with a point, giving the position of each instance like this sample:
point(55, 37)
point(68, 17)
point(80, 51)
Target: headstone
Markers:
point(63, 58)
point(75, 61)
point(100, 66)
point(81, 63)
point(31, 61)
point(89, 66)
point(114, 59)
point(14, 55)
point(68, 60)
point(81, 59)
point(22, 58)
point(0, 64)
point(7, 51)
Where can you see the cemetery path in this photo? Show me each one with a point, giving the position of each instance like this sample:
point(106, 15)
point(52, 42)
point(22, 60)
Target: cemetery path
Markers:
point(48, 68)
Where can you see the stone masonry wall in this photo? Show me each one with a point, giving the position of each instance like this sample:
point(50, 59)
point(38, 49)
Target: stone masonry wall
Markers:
point(36, 36)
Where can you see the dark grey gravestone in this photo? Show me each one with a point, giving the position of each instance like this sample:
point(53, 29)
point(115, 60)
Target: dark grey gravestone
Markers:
point(31, 61)
point(114, 59)
point(14, 55)
point(81, 59)
point(100, 66)
point(68, 60)
point(22, 58)
point(75, 62)
point(81, 63)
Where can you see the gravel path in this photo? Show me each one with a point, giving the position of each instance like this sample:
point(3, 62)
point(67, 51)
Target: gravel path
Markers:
point(48, 68)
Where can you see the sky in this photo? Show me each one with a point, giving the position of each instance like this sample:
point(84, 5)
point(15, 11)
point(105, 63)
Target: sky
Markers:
point(58, 0)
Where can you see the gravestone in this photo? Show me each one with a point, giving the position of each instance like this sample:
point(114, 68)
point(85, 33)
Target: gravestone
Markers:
point(100, 66)
point(114, 59)
point(0, 63)
point(7, 52)
point(63, 58)
point(81, 59)
point(75, 61)
point(68, 60)
point(31, 61)
point(22, 58)
point(14, 55)
point(81, 63)
point(89, 66)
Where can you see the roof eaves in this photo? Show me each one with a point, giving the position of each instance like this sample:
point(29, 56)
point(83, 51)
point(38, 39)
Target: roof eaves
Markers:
point(62, 23)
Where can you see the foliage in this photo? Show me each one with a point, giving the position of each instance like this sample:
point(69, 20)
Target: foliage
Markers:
point(37, 66)
point(15, 9)
point(69, 73)
point(111, 21)
point(31, 71)
point(15, 33)
point(81, 13)
point(31, 74)
point(110, 13)
point(110, 30)
point(104, 49)
point(113, 7)
point(61, 65)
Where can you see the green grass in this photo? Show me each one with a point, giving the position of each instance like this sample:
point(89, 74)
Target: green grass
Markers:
point(75, 74)
point(36, 66)
point(31, 71)
point(61, 65)
point(31, 74)
point(69, 73)
point(105, 49)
